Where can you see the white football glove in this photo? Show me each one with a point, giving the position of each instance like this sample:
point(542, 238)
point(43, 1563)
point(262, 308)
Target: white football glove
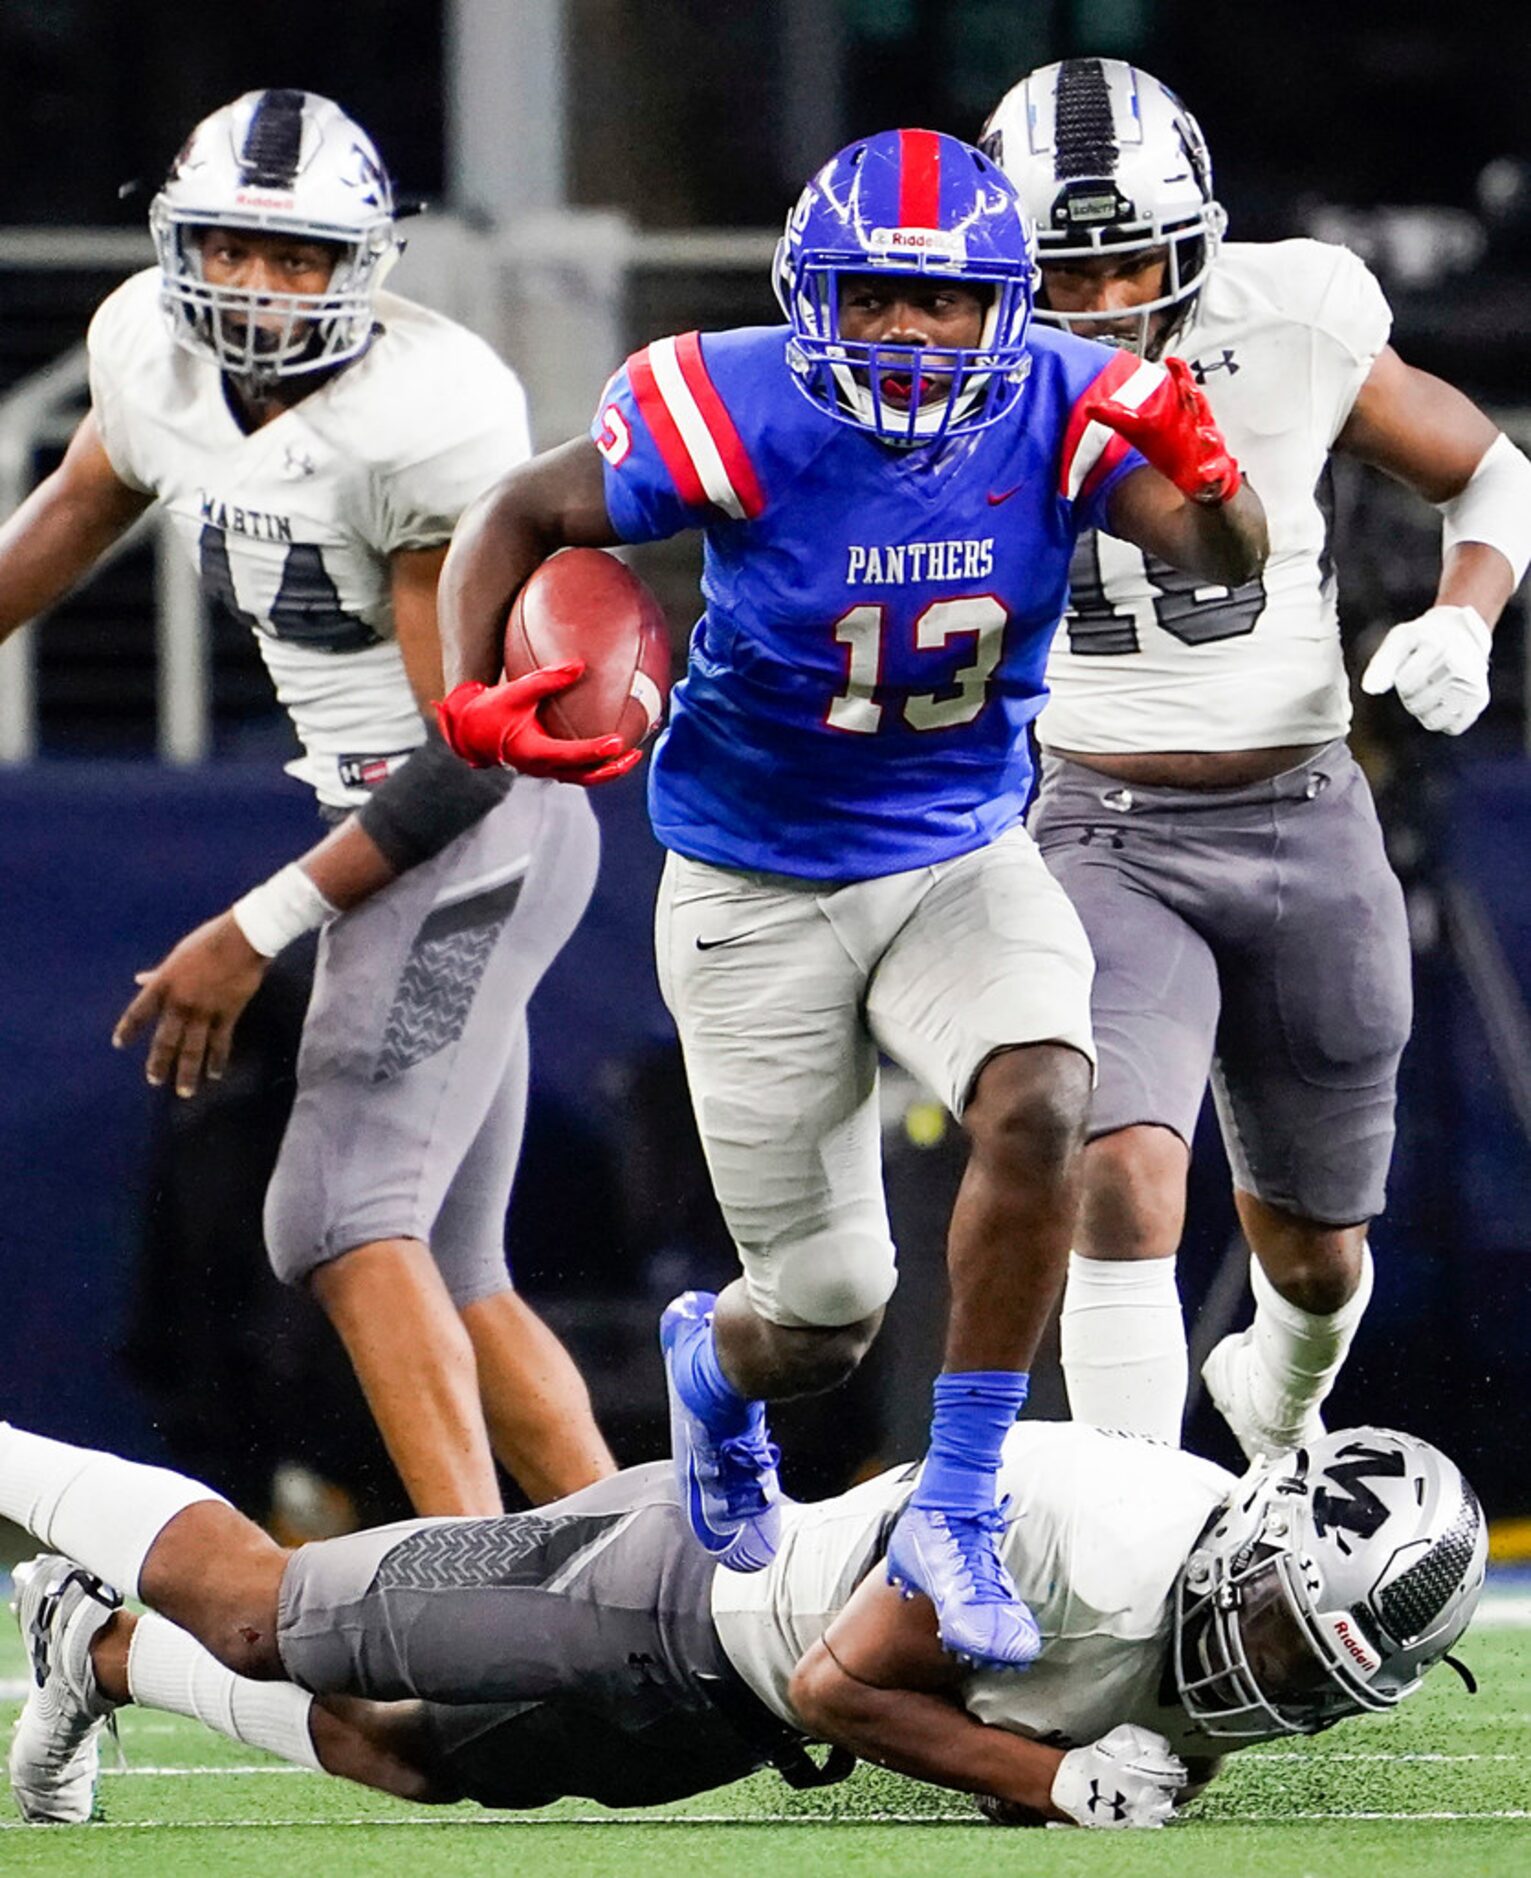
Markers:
point(1438, 665)
point(1127, 1778)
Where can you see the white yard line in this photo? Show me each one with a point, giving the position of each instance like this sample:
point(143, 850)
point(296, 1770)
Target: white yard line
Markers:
point(753, 1822)
point(257, 1768)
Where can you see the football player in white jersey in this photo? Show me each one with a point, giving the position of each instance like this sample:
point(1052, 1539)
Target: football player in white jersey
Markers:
point(314, 440)
point(592, 1648)
point(1198, 801)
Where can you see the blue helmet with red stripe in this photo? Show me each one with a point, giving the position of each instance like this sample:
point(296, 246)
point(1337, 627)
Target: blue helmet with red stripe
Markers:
point(900, 203)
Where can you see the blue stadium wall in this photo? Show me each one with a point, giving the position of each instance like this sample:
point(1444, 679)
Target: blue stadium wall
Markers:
point(104, 865)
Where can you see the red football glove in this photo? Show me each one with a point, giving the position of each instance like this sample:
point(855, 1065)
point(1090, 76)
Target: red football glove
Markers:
point(497, 724)
point(1175, 429)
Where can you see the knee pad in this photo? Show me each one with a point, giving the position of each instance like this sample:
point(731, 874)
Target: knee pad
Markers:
point(826, 1280)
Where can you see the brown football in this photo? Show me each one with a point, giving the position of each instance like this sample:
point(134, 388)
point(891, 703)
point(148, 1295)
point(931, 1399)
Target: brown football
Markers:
point(585, 604)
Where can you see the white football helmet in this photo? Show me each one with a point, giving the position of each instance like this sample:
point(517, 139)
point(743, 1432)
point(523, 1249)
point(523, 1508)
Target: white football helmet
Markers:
point(1328, 1583)
point(1106, 159)
point(275, 162)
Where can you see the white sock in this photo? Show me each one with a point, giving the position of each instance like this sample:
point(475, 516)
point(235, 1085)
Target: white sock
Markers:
point(1123, 1338)
point(102, 1512)
point(168, 1669)
point(1298, 1354)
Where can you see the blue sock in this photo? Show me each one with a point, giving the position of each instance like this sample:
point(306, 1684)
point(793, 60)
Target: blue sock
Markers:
point(975, 1410)
point(705, 1390)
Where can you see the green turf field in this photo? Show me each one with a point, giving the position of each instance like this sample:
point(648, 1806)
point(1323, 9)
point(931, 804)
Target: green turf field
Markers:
point(1440, 1790)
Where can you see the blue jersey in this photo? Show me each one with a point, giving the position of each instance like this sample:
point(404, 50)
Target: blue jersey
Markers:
point(877, 620)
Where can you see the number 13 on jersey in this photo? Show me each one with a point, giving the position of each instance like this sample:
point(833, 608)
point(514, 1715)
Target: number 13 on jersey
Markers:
point(862, 631)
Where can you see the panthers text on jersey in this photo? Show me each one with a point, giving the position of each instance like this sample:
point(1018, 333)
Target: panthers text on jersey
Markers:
point(292, 525)
point(1281, 340)
point(1099, 1525)
point(877, 620)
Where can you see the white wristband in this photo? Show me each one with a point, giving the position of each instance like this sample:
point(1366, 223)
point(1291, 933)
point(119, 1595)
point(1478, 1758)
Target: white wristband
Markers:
point(280, 910)
point(1495, 507)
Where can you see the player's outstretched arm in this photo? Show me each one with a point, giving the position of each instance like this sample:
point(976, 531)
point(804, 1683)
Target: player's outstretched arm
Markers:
point(194, 997)
point(1197, 512)
point(1433, 438)
point(63, 528)
point(879, 1683)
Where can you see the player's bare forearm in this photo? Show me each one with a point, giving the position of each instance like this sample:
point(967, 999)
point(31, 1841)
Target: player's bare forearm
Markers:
point(1432, 437)
point(414, 574)
point(1476, 575)
point(348, 866)
point(926, 1736)
point(555, 501)
point(62, 529)
point(1222, 542)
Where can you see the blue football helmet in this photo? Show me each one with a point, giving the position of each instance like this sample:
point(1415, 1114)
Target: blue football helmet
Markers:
point(908, 202)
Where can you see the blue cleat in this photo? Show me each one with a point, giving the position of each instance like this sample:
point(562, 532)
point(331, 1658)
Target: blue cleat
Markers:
point(954, 1559)
point(728, 1483)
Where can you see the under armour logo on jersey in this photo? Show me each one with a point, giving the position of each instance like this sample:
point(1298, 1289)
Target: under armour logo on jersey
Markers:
point(1201, 371)
point(297, 463)
point(1114, 1803)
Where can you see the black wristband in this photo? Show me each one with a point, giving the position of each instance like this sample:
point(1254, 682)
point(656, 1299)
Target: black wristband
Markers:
point(429, 801)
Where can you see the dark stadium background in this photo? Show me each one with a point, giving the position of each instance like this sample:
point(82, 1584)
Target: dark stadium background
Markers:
point(136, 1307)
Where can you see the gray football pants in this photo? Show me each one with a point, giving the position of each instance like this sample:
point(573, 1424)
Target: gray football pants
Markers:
point(413, 1066)
point(1257, 933)
point(569, 1650)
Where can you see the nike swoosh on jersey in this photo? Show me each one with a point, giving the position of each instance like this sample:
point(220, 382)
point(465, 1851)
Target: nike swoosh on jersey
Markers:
point(728, 939)
point(996, 496)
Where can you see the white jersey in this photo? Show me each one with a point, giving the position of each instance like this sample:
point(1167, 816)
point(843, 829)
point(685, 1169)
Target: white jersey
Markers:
point(292, 525)
point(1148, 658)
point(1099, 1526)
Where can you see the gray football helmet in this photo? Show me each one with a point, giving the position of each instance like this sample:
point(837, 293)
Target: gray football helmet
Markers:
point(1327, 1584)
point(1107, 159)
point(275, 162)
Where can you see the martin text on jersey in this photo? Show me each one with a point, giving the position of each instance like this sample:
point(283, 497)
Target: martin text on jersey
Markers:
point(233, 520)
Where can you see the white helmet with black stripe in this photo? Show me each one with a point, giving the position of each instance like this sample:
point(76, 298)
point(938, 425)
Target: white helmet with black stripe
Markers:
point(1107, 160)
point(1327, 1584)
point(275, 162)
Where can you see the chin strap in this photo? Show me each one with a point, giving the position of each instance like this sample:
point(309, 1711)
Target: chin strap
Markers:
point(1469, 1680)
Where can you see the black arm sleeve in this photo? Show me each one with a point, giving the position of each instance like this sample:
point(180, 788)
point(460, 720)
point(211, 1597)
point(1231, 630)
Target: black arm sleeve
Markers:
point(429, 801)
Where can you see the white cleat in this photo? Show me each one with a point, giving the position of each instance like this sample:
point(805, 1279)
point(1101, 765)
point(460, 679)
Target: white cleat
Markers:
point(1226, 1373)
point(56, 1749)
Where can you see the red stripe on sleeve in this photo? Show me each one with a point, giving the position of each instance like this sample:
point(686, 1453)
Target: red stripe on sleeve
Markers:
point(720, 426)
point(1106, 381)
point(656, 414)
point(919, 179)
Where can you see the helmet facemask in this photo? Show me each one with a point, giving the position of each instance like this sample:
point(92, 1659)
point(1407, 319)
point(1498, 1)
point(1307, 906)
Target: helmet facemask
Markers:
point(1190, 248)
point(286, 164)
point(952, 388)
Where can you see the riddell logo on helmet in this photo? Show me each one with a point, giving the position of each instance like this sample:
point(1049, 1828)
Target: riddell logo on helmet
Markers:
point(1354, 1646)
point(943, 244)
point(254, 199)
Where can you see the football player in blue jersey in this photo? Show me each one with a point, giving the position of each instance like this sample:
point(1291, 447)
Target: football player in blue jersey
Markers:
point(891, 485)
